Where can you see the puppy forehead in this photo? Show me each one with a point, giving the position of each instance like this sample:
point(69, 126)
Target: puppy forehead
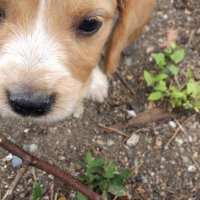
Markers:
point(72, 6)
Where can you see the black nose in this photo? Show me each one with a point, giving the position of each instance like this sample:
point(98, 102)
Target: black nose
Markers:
point(30, 103)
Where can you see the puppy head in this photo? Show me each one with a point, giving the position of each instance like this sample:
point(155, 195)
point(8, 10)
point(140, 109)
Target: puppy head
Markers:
point(48, 49)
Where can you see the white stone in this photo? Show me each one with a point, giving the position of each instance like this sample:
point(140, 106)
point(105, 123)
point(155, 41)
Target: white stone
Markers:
point(110, 143)
point(191, 169)
point(7, 158)
point(33, 148)
point(172, 124)
point(179, 141)
point(131, 113)
point(133, 140)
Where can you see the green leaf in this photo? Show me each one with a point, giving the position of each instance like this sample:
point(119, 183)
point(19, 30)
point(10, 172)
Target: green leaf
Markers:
point(109, 170)
point(173, 69)
point(189, 73)
point(83, 165)
point(155, 96)
point(105, 195)
point(98, 162)
point(161, 86)
point(173, 46)
point(89, 159)
point(37, 191)
point(166, 70)
point(90, 175)
point(117, 180)
point(83, 178)
point(118, 191)
point(168, 52)
point(178, 56)
point(103, 185)
point(148, 78)
point(98, 170)
point(160, 59)
point(125, 173)
point(191, 86)
point(81, 196)
point(178, 95)
point(160, 77)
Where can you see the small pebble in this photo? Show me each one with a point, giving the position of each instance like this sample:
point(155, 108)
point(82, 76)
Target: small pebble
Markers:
point(131, 113)
point(51, 177)
point(133, 140)
point(191, 169)
point(7, 158)
point(26, 130)
point(110, 142)
point(134, 107)
point(26, 147)
point(172, 124)
point(33, 148)
point(179, 141)
point(139, 178)
point(16, 162)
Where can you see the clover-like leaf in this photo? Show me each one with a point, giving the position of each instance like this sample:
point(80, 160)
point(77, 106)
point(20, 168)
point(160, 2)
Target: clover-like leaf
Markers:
point(178, 56)
point(160, 59)
point(161, 86)
point(173, 69)
point(148, 78)
point(155, 96)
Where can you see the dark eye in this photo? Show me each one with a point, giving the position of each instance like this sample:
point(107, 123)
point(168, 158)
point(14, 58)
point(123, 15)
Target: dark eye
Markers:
point(2, 15)
point(89, 26)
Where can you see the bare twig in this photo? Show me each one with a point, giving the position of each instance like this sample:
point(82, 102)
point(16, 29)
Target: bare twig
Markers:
point(15, 182)
point(111, 129)
point(125, 83)
point(178, 130)
point(31, 160)
point(52, 191)
point(34, 175)
point(107, 127)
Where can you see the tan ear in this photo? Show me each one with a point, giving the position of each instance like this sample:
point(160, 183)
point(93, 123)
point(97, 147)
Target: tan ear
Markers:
point(133, 14)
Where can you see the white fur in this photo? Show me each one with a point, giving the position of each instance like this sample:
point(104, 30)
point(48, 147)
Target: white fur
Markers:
point(34, 48)
point(99, 85)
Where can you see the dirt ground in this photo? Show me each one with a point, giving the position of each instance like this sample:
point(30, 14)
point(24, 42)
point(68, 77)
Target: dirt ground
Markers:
point(164, 173)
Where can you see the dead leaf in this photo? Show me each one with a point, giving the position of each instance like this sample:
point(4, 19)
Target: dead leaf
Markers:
point(172, 35)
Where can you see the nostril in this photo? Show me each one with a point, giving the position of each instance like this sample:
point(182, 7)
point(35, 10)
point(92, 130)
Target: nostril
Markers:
point(30, 104)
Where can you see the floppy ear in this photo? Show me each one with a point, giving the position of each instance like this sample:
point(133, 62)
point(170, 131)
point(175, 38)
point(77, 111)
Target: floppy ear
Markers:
point(133, 14)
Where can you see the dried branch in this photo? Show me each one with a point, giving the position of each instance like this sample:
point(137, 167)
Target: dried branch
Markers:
point(31, 160)
point(9, 193)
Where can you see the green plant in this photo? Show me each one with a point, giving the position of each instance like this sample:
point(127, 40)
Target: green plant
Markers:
point(37, 191)
point(101, 176)
point(167, 85)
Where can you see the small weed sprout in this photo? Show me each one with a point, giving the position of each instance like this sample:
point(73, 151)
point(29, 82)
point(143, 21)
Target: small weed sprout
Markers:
point(37, 191)
point(187, 94)
point(101, 176)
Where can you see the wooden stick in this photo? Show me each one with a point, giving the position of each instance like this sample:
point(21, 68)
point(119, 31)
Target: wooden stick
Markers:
point(31, 160)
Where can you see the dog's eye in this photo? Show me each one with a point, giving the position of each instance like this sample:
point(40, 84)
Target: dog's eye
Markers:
point(89, 26)
point(2, 14)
